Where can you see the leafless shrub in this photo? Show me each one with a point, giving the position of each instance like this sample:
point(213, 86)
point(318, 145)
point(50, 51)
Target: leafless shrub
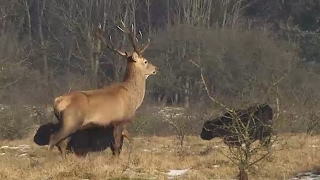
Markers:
point(179, 125)
point(248, 155)
point(16, 121)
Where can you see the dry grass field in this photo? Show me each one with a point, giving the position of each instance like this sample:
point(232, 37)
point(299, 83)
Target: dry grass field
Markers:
point(153, 157)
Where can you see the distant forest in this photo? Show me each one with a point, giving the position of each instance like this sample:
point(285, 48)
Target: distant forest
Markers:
point(244, 47)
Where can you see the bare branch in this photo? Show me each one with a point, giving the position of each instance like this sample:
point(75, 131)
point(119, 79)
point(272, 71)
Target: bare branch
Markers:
point(11, 83)
point(207, 89)
point(100, 36)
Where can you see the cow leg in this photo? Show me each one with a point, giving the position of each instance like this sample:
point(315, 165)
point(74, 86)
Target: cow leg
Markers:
point(232, 141)
point(62, 145)
point(265, 137)
point(117, 135)
point(266, 142)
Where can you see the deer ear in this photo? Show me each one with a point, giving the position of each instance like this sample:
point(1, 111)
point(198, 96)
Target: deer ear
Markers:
point(135, 56)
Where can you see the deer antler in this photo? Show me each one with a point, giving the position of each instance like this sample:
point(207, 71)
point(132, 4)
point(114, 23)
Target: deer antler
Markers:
point(131, 37)
point(99, 34)
point(145, 47)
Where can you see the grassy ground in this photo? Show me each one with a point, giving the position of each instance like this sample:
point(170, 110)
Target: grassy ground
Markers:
point(152, 157)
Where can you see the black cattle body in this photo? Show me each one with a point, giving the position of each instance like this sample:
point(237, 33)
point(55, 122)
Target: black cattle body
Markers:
point(255, 121)
point(81, 142)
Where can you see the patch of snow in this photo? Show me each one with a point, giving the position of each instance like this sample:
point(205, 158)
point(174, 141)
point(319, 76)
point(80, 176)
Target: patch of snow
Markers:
point(306, 176)
point(21, 155)
point(153, 178)
point(146, 150)
point(172, 173)
point(314, 146)
point(1, 154)
point(215, 166)
point(23, 146)
point(4, 147)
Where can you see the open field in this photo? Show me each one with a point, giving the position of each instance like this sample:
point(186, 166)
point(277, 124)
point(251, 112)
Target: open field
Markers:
point(153, 157)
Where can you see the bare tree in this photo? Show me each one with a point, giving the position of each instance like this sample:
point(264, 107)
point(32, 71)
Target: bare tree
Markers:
point(196, 12)
point(148, 11)
point(44, 45)
point(28, 19)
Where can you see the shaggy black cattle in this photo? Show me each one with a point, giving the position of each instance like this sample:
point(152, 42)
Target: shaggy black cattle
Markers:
point(256, 120)
point(82, 141)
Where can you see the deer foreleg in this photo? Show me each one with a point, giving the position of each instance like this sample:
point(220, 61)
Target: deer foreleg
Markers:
point(126, 134)
point(117, 135)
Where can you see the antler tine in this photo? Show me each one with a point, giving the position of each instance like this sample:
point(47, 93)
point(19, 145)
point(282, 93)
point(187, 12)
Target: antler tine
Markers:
point(115, 50)
point(124, 29)
point(131, 36)
point(132, 28)
point(100, 36)
point(123, 24)
point(145, 47)
point(121, 29)
point(140, 34)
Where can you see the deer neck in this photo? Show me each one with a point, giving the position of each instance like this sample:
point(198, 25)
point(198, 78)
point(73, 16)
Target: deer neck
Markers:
point(135, 82)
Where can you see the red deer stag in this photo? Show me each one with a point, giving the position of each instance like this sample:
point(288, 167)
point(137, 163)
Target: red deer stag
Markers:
point(115, 104)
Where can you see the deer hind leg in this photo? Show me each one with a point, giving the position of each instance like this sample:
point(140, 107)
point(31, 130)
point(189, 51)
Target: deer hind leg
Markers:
point(68, 127)
point(62, 145)
point(57, 114)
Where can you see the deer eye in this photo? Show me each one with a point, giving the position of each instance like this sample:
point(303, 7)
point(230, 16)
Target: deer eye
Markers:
point(146, 62)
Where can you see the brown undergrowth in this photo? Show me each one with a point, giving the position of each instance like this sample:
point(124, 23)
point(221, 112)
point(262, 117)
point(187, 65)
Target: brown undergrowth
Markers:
point(153, 157)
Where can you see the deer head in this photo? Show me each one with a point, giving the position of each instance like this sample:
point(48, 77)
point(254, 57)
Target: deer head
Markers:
point(136, 55)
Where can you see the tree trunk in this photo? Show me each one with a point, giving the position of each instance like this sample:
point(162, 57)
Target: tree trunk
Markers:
point(186, 93)
point(148, 16)
point(243, 175)
point(168, 13)
point(28, 19)
point(176, 99)
point(92, 57)
point(43, 44)
point(133, 11)
point(123, 41)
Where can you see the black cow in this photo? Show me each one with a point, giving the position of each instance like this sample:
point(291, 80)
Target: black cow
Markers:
point(82, 141)
point(258, 119)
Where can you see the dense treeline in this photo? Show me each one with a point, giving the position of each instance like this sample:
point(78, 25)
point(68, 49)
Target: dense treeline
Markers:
point(249, 50)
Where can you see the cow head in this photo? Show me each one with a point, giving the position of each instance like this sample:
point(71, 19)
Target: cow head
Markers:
point(213, 128)
point(44, 132)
